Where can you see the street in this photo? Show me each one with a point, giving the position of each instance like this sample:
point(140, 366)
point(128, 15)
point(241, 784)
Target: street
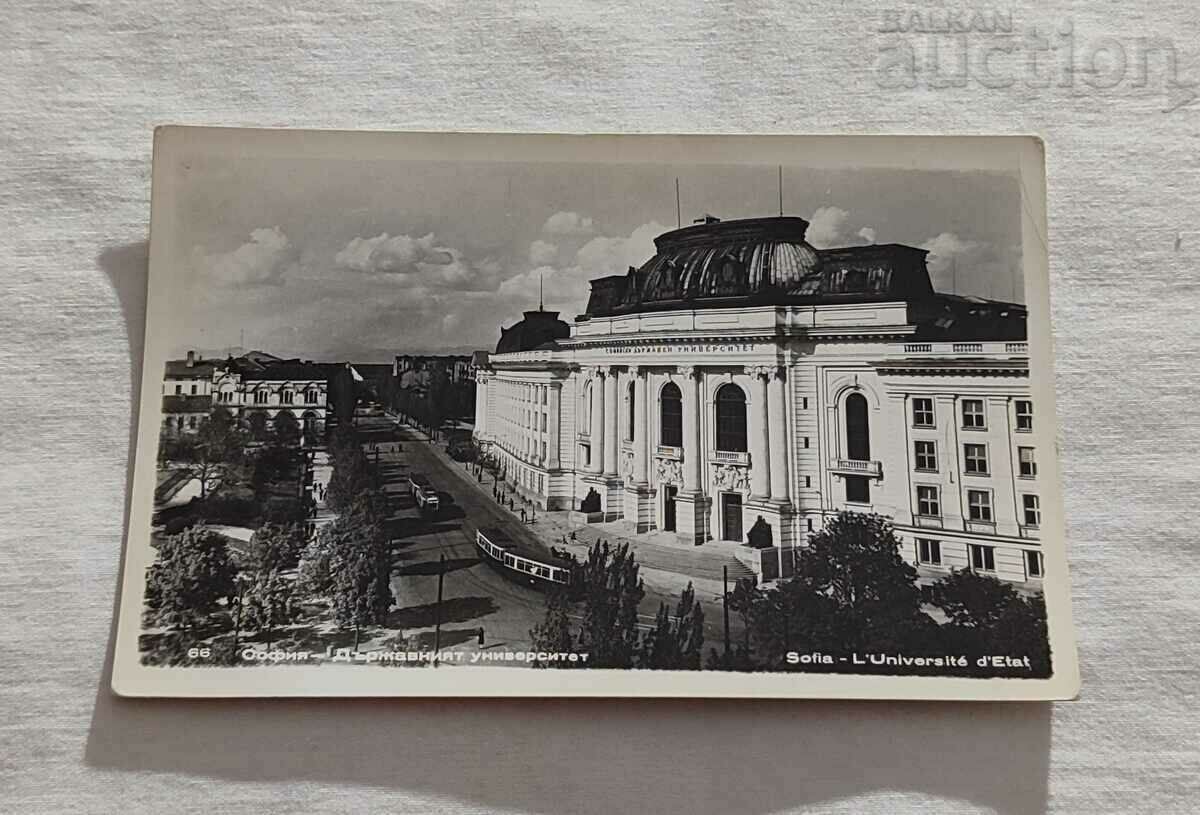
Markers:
point(474, 594)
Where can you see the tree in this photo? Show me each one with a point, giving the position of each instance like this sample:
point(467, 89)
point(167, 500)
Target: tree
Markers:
point(275, 546)
point(191, 574)
point(316, 576)
point(285, 430)
point(989, 618)
point(611, 590)
point(855, 562)
point(973, 600)
point(741, 601)
point(361, 571)
point(269, 602)
point(214, 452)
point(675, 644)
point(554, 632)
point(257, 424)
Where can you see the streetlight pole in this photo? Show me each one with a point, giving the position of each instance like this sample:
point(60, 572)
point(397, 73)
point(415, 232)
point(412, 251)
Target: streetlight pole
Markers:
point(725, 609)
point(437, 624)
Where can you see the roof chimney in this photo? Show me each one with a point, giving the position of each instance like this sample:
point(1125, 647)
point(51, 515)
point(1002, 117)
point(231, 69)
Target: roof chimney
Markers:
point(707, 219)
point(191, 358)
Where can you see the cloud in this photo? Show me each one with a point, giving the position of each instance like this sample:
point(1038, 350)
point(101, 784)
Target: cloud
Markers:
point(565, 287)
point(825, 226)
point(971, 267)
point(568, 223)
point(948, 250)
point(415, 262)
point(867, 234)
point(542, 253)
point(264, 260)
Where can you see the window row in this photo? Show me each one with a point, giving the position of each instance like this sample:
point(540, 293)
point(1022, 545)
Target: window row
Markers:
point(730, 416)
point(979, 505)
point(975, 459)
point(974, 416)
point(980, 557)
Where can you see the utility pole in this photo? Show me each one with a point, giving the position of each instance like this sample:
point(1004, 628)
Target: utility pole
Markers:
point(725, 609)
point(678, 214)
point(437, 617)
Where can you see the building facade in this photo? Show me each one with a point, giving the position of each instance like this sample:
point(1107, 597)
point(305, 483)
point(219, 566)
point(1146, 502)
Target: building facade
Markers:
point(256, 388)
point(741, 377)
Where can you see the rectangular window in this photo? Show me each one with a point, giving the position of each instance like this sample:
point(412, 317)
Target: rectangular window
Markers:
point(972, 414)
point(1024, 415)
point(927, 502)
point(858, 489)
point(543, 453)
point(925, 453)
point(979, 505)
point(929, 552)
point(178, 390)
point(194, 387)
point(808, 482)
point(975, 458)
point(1033, 564)
point(1027, 462)
point(983, 558)
point(543, 422)
point(922, 412)
point(1033, 510)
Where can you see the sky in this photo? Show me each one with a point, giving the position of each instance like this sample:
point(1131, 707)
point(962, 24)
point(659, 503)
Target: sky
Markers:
point(362, 260)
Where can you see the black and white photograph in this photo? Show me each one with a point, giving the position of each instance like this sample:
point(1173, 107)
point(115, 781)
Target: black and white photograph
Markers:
point(608, 416)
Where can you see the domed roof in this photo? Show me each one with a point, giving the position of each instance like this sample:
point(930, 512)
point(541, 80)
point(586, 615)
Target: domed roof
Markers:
point(727, 259)
point(536, 329)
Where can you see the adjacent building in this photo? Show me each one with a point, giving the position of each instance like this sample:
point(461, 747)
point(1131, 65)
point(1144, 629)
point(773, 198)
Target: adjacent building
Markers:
point(741, 377)
point(257, 388)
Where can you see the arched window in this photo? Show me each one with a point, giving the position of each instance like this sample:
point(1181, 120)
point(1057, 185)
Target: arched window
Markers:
point(287, 397)
point(731, 419)
point(670, 414)
point(587, 407)
point(858, 431)
point(311, 396)
point(632, 417)
point(260, 396)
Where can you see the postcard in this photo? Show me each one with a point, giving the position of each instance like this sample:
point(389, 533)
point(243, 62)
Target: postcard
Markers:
point(431, 414)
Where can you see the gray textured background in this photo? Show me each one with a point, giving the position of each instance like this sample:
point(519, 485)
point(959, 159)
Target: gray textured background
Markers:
point(84, 83)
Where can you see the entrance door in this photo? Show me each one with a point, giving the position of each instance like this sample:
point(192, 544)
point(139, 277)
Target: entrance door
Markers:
point(669, 493)
point(731, 516)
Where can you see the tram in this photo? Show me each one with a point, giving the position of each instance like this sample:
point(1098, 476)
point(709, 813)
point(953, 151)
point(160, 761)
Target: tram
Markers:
point(423, 492)
point(521, 563)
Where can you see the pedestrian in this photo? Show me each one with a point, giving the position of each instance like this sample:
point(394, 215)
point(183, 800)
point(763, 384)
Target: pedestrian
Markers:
point(479, 634)
point(522, 514)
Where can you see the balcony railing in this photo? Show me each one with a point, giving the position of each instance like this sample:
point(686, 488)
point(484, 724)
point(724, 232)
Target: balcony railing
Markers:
point(853, 466)
point(667, 451)
point(731, 457)
point(950, 348)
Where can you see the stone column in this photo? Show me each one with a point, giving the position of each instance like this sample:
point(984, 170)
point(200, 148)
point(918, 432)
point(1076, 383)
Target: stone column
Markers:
point(777, 421)
point(596, 431)
point(554, 408)
point(641, 430)
point(759, 429)
point(611, 426)
point(692, 457)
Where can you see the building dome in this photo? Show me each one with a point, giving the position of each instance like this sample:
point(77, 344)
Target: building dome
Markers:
point(536, 329)
point(727, 259)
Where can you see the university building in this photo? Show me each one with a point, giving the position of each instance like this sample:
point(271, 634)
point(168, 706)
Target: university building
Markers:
point(742, 379)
